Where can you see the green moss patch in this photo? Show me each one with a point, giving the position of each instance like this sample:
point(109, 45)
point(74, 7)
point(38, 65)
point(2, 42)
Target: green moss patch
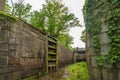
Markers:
point(7, 17)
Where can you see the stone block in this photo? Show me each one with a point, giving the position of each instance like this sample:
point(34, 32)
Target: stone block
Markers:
point(2, 76)
point(14, 27)
point(91, 51)
point(13, 47)
point(13, 61)
point(110, 74)
point(104, 27)
point(93, 61)
point(118, 65)
point(16, 75)
point(5, 53)
point(4, 33)
point(104, 49)
point(89, 42)
point(3, 39)
point(26, 54)
point(119, 74)
point(104, 39)
point(3, 46)
point(3, 60)
point(5, 27)
point(96, 73)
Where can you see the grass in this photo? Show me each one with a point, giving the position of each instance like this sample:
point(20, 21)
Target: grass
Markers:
point(78, 71)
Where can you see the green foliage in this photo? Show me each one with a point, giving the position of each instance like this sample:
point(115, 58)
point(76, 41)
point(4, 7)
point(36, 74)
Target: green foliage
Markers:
point(83, 37)
point(114, 37)
point(55, 19)
point(7, 7)
point(93, 28)
point(38, 20)
point(101, 60)
point(114, 1)
point(6, 17)
point(78, 71)
point(21, 11)
point(66, 40)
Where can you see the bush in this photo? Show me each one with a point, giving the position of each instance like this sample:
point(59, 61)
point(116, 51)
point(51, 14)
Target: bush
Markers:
point(78, 71)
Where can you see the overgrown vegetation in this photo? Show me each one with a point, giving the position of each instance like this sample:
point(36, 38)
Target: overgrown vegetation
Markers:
point(111, 15)
point(7, 17)
point(54, 18)
point(19, 9)
point(78, 71)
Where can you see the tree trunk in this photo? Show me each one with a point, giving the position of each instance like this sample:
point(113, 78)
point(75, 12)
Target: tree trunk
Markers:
point(2, 5)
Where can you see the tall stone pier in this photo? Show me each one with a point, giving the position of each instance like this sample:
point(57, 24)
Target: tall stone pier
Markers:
point(102, 21)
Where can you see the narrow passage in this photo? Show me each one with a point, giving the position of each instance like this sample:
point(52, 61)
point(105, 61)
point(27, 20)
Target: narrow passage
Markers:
point(77, 71)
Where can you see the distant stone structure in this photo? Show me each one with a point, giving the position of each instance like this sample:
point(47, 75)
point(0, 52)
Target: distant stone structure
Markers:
point(79, 54)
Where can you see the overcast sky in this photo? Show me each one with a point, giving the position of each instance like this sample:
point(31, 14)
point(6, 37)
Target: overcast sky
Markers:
point(75, 6)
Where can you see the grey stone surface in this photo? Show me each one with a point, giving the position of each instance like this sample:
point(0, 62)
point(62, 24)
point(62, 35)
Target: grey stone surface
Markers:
point(104, 38)
point(25, 49)
point(104, 27)
point(93, 61)
point(65, 56)
point(3, 60)
point(104, 49)
point(100, 13)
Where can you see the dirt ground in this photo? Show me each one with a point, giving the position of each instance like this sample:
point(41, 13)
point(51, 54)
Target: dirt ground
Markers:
point(61, 74)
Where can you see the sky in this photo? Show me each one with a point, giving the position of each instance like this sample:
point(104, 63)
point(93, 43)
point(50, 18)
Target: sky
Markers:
point(75, 6)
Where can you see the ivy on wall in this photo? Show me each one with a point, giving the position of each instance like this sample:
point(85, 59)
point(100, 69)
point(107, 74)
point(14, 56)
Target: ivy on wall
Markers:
point(93, 26)
point(114, 35)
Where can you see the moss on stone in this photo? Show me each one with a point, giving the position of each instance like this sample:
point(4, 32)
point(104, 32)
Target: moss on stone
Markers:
point(7, 17)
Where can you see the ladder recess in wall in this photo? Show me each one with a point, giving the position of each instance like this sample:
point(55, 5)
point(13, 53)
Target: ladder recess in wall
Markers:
point(51, 55)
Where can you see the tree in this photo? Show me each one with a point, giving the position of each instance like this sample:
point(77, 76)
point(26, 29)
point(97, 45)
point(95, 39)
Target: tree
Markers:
point(54, 18)
point(2, 5)
point(66, 40)
point(7, 7)
point(21, 10)
point(38, 20)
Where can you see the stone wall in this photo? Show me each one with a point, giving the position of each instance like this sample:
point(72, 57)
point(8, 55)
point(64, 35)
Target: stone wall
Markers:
point(23, 49)
point(65, 56)
point(96, 16)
